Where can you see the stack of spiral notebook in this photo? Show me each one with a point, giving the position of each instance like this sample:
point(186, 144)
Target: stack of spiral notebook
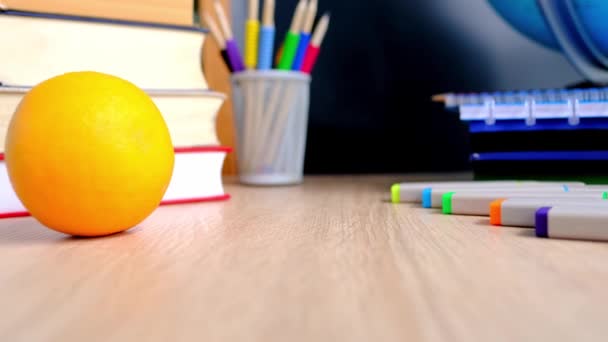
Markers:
point(548, 134)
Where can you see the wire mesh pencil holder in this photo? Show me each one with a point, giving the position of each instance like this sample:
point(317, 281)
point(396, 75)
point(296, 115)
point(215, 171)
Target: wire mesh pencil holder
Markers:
point(271, 117)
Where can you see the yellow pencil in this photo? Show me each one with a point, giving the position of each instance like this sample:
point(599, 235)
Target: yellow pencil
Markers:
point(252, 34)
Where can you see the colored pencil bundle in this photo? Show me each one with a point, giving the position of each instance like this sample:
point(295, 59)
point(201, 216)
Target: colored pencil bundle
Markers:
point(298, 52)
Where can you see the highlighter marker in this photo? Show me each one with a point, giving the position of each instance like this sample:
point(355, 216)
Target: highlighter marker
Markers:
point(432, 197)
point(471, 203)
point(292, 38)
point(572, 222)
point(520, 212)
point(412, 191)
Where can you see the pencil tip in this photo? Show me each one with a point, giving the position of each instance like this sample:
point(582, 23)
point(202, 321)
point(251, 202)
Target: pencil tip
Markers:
point(438, 98)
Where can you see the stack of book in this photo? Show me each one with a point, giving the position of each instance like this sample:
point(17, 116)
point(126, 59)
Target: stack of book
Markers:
point(153, 44)
point(537, 134)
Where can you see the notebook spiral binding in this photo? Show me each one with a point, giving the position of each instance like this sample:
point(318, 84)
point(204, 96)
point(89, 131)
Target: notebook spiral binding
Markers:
point(515, 97)
point(570, 104)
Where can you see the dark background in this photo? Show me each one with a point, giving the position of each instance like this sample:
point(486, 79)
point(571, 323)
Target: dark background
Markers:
point(383, 59)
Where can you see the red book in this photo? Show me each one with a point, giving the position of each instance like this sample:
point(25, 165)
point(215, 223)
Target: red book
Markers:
point(197, 177)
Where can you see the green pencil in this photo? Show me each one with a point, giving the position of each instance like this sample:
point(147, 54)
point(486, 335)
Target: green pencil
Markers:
point(292, 39)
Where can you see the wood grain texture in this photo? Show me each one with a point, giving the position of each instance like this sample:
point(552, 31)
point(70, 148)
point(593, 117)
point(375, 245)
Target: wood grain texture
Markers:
point(218, 77)
point(331, 260)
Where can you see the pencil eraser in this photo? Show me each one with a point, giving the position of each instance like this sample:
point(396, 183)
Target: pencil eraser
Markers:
point(395, 193)
point(496, 212)
point(446, 203)
point(541, 221)
point(426, 197)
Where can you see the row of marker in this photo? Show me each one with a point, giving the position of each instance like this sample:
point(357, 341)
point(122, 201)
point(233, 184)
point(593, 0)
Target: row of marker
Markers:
point(570, 210)
point(299, 50)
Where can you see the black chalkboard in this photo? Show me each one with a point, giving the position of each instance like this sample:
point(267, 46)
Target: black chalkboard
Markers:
point(370, 103)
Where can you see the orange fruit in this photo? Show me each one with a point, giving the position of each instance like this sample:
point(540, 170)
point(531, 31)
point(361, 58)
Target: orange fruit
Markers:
point(88, 154)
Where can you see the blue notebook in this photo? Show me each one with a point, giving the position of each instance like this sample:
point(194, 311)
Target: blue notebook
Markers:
point(550, 109)
point(541, 155)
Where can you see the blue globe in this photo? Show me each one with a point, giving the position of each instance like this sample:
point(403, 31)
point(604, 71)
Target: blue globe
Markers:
point(527, 18)
point(593, 15)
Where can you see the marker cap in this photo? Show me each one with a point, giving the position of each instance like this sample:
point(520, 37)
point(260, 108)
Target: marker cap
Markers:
point(395, 193)
point(447, 202)
point(542, 226)
point(496, 212)
point(427, 197)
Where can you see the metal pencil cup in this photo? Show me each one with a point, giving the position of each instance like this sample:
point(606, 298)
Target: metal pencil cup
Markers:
point(271, 115)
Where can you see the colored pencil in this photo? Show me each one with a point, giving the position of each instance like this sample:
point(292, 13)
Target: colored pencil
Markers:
point(308, 22)
point(267, 35)
point(252, 35)
point(314, 48)
point(231, 47)
point(219, 39)
point(292, 38)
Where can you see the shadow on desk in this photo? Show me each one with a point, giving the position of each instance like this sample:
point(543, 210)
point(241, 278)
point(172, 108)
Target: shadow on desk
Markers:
point(28, 231)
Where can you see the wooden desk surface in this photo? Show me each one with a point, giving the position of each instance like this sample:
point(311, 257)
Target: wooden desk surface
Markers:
point(331, 260)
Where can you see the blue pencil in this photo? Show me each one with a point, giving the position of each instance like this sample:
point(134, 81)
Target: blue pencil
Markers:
point(267, 33)
point(309, 19)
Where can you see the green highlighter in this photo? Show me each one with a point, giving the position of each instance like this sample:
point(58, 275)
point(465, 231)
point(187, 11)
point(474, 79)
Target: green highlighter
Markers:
point(479, 203)
point(446, 204)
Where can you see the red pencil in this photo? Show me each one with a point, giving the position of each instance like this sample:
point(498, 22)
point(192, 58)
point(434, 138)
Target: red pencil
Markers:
point(315, 44)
